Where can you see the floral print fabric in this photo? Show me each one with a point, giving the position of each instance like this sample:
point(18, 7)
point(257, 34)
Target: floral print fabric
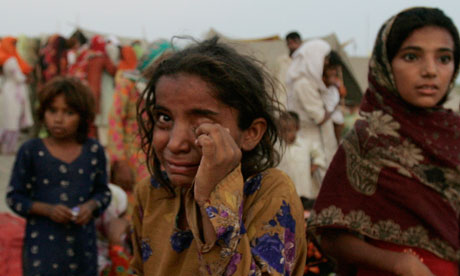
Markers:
point(124, 140)
point(397, 170)
point(259, 227)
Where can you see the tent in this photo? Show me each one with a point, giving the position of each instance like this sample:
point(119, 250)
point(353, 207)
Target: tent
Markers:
point(272, 50)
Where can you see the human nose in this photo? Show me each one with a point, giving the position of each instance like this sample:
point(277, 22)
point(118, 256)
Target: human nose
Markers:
point(58, 116)
point(181, 139)
point(429, 67)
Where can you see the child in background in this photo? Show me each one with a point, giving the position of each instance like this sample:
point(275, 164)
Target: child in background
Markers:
point(389, 204)
point(59, 184)
point(112, 231)
point(301, 161)
point(218, 208)
point(332, 78)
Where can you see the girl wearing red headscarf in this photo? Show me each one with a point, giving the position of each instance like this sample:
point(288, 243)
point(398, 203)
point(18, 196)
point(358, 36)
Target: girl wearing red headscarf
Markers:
point(390, 201)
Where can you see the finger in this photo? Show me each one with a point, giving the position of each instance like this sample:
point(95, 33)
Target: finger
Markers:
point(208, 146)
point(220, 135)
point(64, 213)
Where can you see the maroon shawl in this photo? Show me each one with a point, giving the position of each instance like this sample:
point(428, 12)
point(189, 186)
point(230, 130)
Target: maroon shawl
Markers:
point(396, 176)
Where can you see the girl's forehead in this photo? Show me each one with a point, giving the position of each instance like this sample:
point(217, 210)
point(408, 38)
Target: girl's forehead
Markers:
point(184, 86)
point(62, 100)
point(430, 35)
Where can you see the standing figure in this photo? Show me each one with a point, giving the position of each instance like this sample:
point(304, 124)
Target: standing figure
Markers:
point(214, 204)
point(53, 58)
point(59, 184)
point(301, 161)
point(305, 87)
point(14, 96)
point(390, 202)
point(89, 68)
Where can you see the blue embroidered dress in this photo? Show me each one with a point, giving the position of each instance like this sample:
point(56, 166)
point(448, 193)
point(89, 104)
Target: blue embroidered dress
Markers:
point(259, 225)
point(52, 248)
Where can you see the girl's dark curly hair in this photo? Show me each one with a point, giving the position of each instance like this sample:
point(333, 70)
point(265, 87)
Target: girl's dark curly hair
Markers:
point(238, 81)
point(77, 96)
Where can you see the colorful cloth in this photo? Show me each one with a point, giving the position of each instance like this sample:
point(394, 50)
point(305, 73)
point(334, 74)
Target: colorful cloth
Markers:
point(112, 259)
point(396, 176)
point(11, 242)
point(89, 67)
point(437, 265)
point(156, 49)
point(52, 248)
point(120, 263)
point(124, 142)
point(8, 50)
point(54, 58)
point(128, 59)
point(259, 225)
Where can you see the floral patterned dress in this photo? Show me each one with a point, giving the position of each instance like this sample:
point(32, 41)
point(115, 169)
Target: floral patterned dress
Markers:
point(259, 226)
point(124, 141)
point(52, 248)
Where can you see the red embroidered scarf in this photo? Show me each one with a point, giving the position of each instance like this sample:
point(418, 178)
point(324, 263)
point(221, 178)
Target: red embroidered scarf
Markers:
point(396, 176)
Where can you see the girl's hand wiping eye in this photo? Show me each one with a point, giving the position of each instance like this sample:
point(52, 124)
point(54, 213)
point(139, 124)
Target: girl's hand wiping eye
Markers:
point(220, 155)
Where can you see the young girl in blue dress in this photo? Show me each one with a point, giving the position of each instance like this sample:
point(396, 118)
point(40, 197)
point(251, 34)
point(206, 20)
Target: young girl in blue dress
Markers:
point(59, 184)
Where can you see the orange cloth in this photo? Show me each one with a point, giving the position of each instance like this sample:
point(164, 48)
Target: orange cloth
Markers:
point(8, 50)
point(128, 59)
point(96, 65)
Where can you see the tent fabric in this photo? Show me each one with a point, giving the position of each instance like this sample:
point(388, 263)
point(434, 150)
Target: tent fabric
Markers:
point(270, 50)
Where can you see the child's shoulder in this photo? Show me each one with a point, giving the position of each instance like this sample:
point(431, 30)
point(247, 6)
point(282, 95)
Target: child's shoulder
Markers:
point(30, 144)
point(273, 182)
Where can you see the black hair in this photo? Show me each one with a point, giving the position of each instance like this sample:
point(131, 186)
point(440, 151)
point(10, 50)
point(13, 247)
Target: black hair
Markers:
point(238, 81)
point(80, 37)
point(77, 96)
point(293, 36)
point(412, 19)
point(334, 59)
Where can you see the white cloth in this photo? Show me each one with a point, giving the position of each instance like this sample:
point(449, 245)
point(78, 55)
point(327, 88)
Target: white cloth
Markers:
point(305, 86)
point(296, 162)
point(331, 99)
point(14, 98)
point(117, 207)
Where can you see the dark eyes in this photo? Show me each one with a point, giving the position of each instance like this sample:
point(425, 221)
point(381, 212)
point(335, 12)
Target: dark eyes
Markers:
point(445, 59)
point(410, 57)
point(161, 120)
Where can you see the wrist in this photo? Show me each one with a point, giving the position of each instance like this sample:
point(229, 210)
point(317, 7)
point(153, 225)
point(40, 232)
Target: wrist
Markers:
point(201, 201)
point(93, 205)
